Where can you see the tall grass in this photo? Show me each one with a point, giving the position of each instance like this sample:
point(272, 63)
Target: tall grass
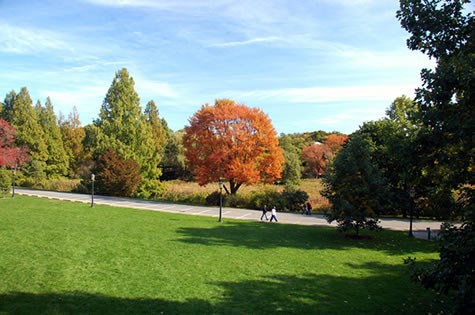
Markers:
point(181, 191)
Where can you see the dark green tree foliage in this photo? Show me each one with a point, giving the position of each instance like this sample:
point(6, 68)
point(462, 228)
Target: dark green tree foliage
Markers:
point(173, 163)
point(122, 127)
point(57, 164)
point(22, 116)
point(393, 143)
point(355, 187)
point(444, 30)
point(453, 274)
point(116, 176)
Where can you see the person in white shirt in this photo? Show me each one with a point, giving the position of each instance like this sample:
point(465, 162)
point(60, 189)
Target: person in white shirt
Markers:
point(273, 215)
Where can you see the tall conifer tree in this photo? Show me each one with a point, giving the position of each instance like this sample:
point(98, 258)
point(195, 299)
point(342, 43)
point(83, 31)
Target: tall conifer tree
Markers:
point(57, 164)
point(123, 127)
point(29, 132)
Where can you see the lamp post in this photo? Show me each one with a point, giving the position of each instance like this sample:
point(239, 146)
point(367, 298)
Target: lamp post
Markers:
point(221, 184)
point(93, 179)
point(13, 182)
point(412, 194)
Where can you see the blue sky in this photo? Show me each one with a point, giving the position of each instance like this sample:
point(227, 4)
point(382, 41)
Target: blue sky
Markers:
point(309, 64)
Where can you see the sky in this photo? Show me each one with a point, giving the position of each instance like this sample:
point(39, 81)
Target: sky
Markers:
point(309, 64)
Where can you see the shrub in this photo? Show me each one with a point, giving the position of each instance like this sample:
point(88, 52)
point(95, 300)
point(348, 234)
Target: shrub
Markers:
point(213, 199)
point(294, 199)
point(5, 181)
point(116, 176)
point(151, 189)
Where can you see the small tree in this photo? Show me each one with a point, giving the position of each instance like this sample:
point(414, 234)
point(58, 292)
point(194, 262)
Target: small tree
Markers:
point(116, 176)
point(354, 187)
point(5, 181)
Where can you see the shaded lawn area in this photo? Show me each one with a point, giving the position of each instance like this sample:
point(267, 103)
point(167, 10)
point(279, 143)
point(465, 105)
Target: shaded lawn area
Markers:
point(63, 257)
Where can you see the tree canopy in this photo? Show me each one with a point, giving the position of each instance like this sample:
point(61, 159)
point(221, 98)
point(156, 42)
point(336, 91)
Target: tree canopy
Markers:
point(124, 128)
point(445, 30)
point(233, 142)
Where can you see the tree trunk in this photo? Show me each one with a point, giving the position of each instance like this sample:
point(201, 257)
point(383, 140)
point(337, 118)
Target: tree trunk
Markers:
point(234, 186)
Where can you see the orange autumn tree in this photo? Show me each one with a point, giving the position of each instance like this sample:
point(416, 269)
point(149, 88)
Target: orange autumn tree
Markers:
point(232, 142)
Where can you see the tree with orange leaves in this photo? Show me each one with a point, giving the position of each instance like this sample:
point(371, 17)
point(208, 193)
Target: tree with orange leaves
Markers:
point(335, 142)
point(232, 142)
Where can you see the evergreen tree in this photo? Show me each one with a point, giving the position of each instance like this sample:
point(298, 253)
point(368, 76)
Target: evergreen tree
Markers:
point(173, 163)
point(355, 187)
point(73, 135)
point(57, 164)
point(7, 108)
point(122, 127)
point(158, 131)
point(29, 132)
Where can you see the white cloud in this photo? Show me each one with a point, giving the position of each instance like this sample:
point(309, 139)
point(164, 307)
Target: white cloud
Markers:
point(332, 94)
point(19, 40)
point(150, 88)
point(248, 42)
point(87, 99)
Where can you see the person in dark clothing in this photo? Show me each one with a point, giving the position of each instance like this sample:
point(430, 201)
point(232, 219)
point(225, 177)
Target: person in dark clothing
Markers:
point(264, 213)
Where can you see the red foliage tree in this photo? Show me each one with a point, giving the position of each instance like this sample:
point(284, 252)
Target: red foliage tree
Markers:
point(233, 142)
point(10, 155)
point(316, 157)
point(116, 176)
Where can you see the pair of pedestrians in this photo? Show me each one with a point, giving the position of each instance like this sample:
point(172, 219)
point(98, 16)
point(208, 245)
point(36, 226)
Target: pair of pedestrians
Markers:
point(273, 214)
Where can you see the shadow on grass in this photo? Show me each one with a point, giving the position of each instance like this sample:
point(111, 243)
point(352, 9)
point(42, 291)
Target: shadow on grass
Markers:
point(260, 235)
point(384, 290)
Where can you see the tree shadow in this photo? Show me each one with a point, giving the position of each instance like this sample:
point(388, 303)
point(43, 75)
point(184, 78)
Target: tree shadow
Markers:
point(381, 290)
point(89, 303)
point(260, 235)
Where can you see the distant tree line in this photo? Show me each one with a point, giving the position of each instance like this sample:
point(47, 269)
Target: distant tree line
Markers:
point(137, 148)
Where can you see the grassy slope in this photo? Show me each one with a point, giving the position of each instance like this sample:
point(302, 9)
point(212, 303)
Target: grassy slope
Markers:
point(60, 257)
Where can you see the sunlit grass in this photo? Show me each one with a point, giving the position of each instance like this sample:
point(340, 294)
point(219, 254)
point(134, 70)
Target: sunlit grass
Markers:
point(62, 257)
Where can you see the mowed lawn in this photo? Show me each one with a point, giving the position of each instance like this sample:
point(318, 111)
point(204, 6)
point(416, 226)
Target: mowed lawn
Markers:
point(65, 258)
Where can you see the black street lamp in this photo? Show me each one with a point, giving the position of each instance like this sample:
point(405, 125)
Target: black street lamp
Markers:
point(93, 179)
point(13, 182)
point(412, 194)
point(221, 184)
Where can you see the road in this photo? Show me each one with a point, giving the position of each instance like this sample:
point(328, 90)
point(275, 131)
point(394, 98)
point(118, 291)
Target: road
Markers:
point(419, 226)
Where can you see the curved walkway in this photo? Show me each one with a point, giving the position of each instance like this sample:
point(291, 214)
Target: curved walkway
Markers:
point(419, 226)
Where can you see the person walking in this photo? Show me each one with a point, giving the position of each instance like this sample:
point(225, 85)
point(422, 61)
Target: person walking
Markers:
point(264, 213)
point(309, 208)
point(273, 215)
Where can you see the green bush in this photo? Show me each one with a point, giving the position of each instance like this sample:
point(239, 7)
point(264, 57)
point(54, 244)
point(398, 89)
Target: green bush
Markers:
point(5, 181)
point(151, 189)
point(294, 199)
point(288, 200)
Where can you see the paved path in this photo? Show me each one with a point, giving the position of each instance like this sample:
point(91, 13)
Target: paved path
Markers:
point(419, 226)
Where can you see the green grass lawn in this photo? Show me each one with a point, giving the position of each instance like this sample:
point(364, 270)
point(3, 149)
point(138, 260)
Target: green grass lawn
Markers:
point(66, 258)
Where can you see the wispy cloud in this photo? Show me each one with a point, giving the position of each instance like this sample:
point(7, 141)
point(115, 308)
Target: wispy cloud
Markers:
point(248, 41)
point(19, 40)
point(331, 94)
point(153, 89)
